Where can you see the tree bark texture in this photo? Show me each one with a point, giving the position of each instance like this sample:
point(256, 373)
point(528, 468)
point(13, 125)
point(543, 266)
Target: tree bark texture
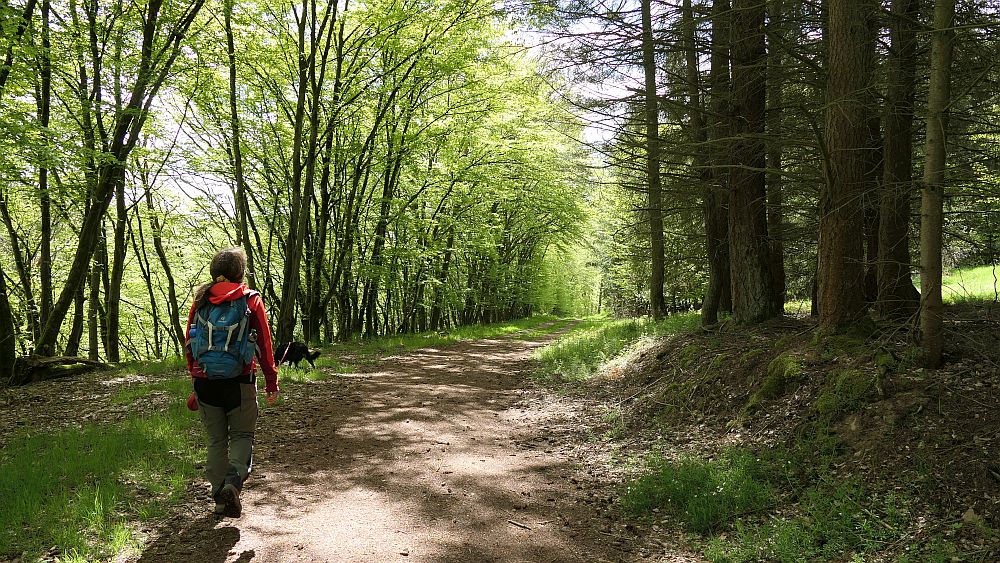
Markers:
point(840, 271)
point(749, 253)
point(44, 111)
point(716, 194)
point(775, 197)
point(932, 201)
point(654, 203)
point(897, 296)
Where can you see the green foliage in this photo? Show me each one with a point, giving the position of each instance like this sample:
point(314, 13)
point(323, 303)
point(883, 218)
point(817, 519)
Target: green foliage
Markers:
point(835, 522)
point(580, 354)
point(77, 488)
point(705, 495)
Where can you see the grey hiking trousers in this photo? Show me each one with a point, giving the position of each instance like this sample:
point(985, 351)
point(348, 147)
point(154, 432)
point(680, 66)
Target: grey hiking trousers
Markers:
point(230, 439)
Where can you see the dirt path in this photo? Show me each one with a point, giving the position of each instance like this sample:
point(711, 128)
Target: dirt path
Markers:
point(443, 454)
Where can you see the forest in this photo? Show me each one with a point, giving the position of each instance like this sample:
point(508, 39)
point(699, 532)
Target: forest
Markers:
point(417, 167)
point(420, 168)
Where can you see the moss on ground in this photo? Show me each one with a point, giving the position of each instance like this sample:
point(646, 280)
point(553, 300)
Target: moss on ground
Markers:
point(845, 391)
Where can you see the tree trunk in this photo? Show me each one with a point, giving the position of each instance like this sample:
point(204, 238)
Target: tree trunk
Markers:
point(242, 206)
point(718, 296)
point(775, 197)
point(654, 197)
point(750, 267)
point(153, 68)
point(840, 271)
point(870, 201)
point(44, 107)
point(114, 286)
point(173, 305)
point(76, 332)
point(93, 305)
point(8, 335)
point(436, 322)
point(23, 274)
point(931, 209)
point(897, 297)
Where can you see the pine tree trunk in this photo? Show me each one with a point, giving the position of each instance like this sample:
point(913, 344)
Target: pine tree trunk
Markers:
point(654, 196)
point(749, 254)
point(870, 201)
point(932, 210)
point(840, 271)
point(897, 296)
point(775, 195)
point(720, 131)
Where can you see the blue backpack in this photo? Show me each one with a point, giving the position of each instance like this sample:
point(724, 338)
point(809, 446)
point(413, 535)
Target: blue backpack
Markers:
point(221, 340)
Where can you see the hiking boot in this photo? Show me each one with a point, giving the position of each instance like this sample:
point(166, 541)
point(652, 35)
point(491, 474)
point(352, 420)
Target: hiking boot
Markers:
point(220, 509)
point(230, 496)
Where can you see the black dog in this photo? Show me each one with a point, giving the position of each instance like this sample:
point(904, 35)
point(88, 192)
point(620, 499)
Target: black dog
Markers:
point(295, 352)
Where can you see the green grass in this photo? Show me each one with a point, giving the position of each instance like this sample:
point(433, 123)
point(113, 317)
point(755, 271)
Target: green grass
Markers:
point(970, 285)
point(155, 367)
point(128, 393)
point(81, 489)
point(581, 353)
point(704, 495)
point(841, 522)
point(288, 374)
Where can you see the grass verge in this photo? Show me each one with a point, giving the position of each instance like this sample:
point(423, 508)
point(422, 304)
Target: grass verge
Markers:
point(704, 495)
point(79, 488)
point(580, 354)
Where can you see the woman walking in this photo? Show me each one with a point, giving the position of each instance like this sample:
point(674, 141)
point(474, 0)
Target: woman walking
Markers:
point(227, 333)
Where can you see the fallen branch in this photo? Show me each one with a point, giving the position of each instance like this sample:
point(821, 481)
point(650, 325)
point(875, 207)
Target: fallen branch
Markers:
point(518, 524)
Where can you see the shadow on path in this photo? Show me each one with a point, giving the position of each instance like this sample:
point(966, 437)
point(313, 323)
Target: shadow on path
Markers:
point(439, 455)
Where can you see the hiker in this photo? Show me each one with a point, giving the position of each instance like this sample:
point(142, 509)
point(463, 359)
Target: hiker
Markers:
point(227, 325)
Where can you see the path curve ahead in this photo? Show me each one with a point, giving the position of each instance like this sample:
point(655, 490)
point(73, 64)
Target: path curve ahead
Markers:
point(439, 455)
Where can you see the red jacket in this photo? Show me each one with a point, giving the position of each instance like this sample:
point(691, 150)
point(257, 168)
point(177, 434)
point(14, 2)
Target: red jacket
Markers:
point(228, 291)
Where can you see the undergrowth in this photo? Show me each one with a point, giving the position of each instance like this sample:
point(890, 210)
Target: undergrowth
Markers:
point(579, 355)
point(80, 488)
point(791, 502)
point(703, 494)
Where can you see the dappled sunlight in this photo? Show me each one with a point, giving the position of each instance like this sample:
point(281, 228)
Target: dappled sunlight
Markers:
point(418, 459)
